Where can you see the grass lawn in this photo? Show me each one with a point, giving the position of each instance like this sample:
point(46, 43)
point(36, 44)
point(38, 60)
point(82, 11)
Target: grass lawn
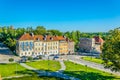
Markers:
point(87, 73)
point(13, 69)
point(93, 59)
point(35, 78)
point(50, 65)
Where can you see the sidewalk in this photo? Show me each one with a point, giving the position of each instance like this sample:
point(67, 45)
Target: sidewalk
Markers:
point(63, 67)
point(93, 65)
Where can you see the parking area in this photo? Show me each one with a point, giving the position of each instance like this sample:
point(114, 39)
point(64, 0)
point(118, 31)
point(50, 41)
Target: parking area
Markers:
point(6, 53)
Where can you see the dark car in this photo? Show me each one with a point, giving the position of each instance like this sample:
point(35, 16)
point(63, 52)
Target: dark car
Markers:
point(55, 57)
point(24, 59)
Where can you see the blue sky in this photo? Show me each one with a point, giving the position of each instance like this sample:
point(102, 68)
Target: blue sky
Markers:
point(64, 15)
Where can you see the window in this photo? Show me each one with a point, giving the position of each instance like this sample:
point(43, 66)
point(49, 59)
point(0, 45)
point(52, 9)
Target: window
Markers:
point(26, 43)
point(31, 43)
point(25, 53)
point(21, 53)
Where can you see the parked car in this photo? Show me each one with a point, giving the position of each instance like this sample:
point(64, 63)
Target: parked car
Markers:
point(55, 57)
point(24, 59)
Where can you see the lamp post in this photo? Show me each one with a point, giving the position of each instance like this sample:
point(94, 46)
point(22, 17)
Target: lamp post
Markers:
point(16, 67)
point(91, 53)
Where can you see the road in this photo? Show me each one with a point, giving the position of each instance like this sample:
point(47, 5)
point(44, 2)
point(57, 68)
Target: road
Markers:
point(77, 59)
point(6, 53)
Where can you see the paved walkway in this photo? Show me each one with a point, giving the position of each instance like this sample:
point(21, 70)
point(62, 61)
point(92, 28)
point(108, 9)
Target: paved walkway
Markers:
point(76, 59)
point(63, 67)
point(46, 73)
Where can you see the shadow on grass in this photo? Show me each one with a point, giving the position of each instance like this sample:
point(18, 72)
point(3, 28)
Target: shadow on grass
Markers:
point(3, 63)
point(35, 78)
point(29, 72)
point(90, 75)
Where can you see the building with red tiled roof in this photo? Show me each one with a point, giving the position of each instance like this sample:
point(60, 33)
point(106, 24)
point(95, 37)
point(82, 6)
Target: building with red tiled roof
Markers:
point(98, 40)
point(91, 44)
point(33, 45)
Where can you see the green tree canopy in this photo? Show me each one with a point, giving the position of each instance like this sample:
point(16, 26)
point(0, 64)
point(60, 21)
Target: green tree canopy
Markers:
point(54, 32)
point(40, 30)
point(111, 50)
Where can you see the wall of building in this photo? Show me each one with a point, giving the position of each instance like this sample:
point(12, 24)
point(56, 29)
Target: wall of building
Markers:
point(34, 45)
point(25, 48)
point(63, 47)
point(86, 44)
point(71, 47)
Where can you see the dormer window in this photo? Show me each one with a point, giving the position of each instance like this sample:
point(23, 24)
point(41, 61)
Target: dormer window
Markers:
point(44, 38)
point(51, 38)
point(38, 39)
point(64, 36)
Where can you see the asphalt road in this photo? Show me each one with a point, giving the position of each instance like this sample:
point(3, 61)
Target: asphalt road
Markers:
point(77, 59)
point(6, 53)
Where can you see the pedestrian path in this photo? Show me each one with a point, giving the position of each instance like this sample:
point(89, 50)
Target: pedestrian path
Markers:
point(93, 65)
point(63, 67)
point(47, 73)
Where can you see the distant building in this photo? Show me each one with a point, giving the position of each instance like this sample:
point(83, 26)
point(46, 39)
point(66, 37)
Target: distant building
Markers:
point(86, 44)
point(71, 46)
point(98, 43)
point(91, 44)
point(34, 45)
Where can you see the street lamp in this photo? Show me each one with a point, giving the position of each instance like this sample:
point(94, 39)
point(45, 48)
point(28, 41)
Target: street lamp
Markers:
point(16, 67)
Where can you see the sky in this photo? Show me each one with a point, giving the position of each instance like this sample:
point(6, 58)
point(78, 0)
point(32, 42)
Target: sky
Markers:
point(64, 15)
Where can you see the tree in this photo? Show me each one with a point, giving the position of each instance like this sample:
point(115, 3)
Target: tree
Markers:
point(30, 58)
point(78, 34)
point(40, 30)
point(55, 32)
point(11, 59)
point(111, 50)
point(68, 34)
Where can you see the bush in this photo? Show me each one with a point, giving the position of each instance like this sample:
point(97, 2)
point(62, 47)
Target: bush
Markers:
point(11, 60)
point(30, 58)
point(40, 57)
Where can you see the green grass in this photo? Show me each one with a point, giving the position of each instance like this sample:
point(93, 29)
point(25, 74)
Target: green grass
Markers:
point(93, 59)
point(87, 73)
point(35, 78)
point(13, 69)
point(50, 65)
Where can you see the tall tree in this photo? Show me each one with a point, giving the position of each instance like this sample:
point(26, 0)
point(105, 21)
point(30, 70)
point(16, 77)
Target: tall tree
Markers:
point(54, 32)
point(40, 30)
point(111, 50)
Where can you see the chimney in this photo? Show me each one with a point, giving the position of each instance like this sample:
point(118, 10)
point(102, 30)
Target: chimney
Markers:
point(55, 35)
point(38, 39)
point(64, 36)
point(32, 34)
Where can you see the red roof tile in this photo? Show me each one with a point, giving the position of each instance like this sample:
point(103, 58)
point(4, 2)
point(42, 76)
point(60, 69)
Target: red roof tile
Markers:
point(28, 36)
point(98, 39)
